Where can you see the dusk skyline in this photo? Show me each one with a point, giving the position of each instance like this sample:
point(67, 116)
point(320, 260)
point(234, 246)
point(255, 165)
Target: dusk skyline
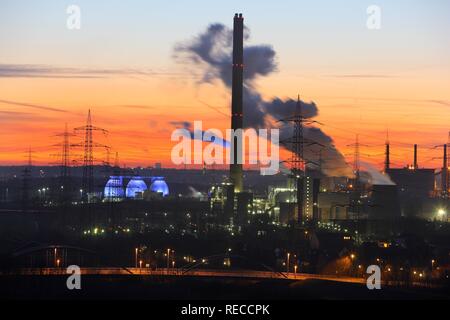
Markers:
point(122, 67)
point(224, 158)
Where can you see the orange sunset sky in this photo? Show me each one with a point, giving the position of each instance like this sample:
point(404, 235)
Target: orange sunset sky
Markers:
point(120, 65)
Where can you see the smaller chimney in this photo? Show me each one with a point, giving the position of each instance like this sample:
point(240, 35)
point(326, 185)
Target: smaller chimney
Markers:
point(445, 172)
point(387, 161)
point(415, 157)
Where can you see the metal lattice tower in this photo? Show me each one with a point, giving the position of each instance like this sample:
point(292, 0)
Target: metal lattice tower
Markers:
point(297, 161)
point(355, 203)
point(116, 163)
point(26, 182)
point(387, 160)
point(298, 164)
point(448, 165)
point(356, 163)
point(65, 160)
point(88, 157)
point(445, 170)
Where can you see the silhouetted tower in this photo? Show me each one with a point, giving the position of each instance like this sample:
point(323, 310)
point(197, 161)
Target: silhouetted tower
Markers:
point(116, 164)
point(447, 165)
point(117, 172)
point(65, 160)
point(26, 182)
point(356, 164)
point(320, 161)
point(297, 161)
point(236, 174)
point(387, 160)
point(415, 164)
point(65, 164)
point(444, 178)
point(108, 156)
point(355, 197)
point(107, 167)
point(88, 157)
point(298, 164)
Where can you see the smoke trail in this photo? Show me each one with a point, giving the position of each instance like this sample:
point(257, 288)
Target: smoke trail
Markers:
point(376, 177)
point(212, 50)
point(198, 134)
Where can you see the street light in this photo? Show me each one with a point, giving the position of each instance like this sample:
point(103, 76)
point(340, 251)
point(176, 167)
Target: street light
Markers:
point(168, 260)
point(287, 262)
point(295, 271)
point(441, 213)
point(135, 257)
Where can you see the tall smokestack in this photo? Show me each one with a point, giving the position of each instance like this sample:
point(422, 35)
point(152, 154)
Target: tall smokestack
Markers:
point(444, 176)
point(236, 99)
point(415, 166)
point(387, 161)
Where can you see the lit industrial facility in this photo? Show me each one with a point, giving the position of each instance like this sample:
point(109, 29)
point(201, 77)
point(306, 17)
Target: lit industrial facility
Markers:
point(136, 187)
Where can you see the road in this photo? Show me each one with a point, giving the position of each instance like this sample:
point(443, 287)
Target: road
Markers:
point(183, 273)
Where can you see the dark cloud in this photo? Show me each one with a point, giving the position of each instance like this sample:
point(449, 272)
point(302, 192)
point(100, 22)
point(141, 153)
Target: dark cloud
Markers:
point(211, 52)
point(49, 71)
point(362, 76)
point(14, 116)
point(30, 105)
point(281, 109)
point(181, 124)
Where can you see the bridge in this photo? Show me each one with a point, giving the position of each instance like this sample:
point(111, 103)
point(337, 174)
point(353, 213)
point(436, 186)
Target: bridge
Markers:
point(178, 272)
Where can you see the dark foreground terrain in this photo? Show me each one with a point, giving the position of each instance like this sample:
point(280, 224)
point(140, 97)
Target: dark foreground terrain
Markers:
point(161, 288)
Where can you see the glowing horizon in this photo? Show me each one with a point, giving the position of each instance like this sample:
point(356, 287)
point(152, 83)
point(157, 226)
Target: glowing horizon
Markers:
point(363, 82)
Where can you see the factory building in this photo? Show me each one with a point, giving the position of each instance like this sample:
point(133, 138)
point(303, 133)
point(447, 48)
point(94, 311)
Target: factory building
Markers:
point(415, 185)
point(310, 198)
point(333, 206)
point(413, 181)
point(114, 188)
point(136, 188)
point(282, 200)
point(384, 202)
point(221, 200)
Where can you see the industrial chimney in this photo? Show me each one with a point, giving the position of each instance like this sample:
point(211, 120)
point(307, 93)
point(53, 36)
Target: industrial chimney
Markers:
point(236, 99)
point(387, 161)
point(415, 166)
point(444, 175)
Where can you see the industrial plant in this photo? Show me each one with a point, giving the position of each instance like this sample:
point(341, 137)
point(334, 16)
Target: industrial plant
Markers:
point(176, 219)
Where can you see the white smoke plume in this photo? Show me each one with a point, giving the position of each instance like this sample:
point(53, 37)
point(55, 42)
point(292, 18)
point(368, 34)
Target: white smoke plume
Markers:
point(375, 176)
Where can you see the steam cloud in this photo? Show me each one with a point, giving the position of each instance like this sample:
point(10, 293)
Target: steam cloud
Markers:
point(375, 176)
point(212, 49)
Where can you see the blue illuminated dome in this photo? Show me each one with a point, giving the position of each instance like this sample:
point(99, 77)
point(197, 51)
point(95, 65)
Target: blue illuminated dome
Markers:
point(136, 188)
point(114, 188)
point(160, 186)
